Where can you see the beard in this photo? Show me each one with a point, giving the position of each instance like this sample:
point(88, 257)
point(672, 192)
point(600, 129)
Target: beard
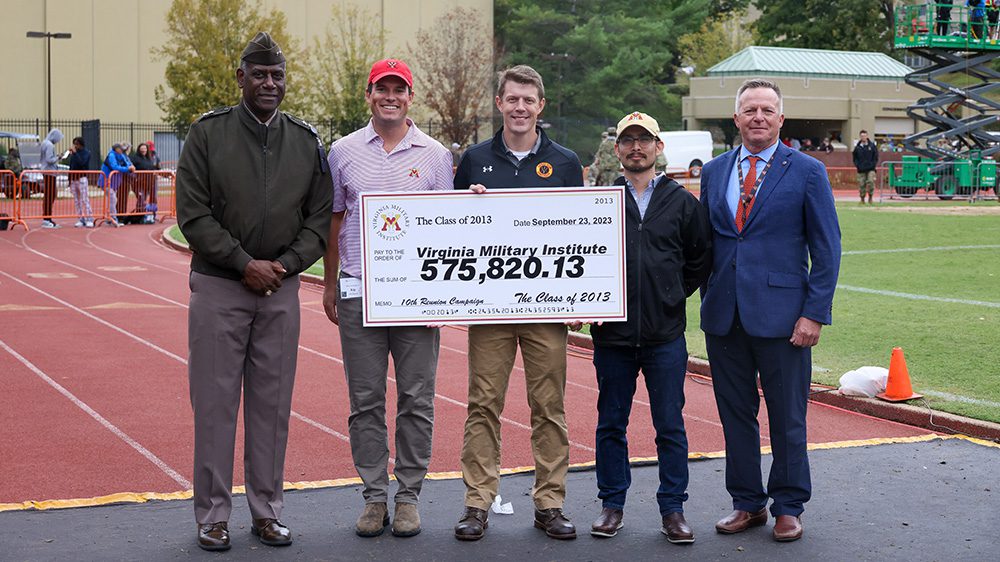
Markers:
point(638, 167)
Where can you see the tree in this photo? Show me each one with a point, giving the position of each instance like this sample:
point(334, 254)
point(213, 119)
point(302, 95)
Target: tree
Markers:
point(455, 71)
point(339, 65)
point(717, 39)
point(845, 25)
point(600, 59)
point(204, 41)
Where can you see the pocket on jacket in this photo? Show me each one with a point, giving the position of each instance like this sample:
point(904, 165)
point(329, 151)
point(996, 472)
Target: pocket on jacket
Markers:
point(789, 280)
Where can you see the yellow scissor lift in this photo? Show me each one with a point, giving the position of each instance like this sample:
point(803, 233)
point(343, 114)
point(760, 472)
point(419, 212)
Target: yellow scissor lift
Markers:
point(956, 154)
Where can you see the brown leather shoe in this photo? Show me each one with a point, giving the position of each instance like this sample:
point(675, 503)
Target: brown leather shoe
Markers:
point(554, 523)
point(472, 526)
point(271, 532)
point(739, 521)
point(676, 528)
point(214, 536)
point(608, 523)
point(787, 528)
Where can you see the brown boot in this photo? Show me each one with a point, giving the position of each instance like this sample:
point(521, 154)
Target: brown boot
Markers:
point(406, 520)
point(676, 528)
point(554, 523)
point(608, 523)
point(373, 521)
point(472, 526)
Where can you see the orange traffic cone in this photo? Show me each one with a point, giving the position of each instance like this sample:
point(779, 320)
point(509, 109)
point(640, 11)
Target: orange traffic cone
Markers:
point(898, 388)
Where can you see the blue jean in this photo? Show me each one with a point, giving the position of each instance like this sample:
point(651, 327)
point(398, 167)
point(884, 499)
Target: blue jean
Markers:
point(663, 367)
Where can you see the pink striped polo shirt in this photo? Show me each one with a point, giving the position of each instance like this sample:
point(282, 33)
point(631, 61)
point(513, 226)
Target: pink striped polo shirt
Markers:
point(359, 164)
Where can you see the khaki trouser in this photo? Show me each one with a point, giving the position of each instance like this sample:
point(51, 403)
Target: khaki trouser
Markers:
point(492, 350)
point(239, 341)
point(866, 179)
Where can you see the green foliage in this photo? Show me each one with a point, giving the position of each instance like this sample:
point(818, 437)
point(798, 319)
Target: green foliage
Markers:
point(717, 39)
point(204, 41)
point(845, 25)
point(599, 59)
point(339, 64)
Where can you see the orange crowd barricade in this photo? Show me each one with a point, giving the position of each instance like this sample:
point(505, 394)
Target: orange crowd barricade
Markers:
point(59, 197)
point(9, 191)
point(141, 196)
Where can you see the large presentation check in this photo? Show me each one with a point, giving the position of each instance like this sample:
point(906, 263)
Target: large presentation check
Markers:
point(504, 256)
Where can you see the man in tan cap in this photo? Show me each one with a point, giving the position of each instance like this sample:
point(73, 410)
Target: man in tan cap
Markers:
point(253, 200)
point(668, 258)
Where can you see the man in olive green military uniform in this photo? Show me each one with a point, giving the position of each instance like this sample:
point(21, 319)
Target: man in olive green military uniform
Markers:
point(608, 166)
point(253, 200)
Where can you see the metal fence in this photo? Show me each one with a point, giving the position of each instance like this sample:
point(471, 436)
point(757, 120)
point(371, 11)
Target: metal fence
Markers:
point(100, 136)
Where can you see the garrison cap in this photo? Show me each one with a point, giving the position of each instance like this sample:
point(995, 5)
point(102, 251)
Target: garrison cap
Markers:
point(263, 50)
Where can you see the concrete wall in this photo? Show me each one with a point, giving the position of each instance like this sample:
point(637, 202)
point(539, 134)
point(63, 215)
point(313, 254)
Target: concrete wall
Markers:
point(106, 71)
point(811, 103)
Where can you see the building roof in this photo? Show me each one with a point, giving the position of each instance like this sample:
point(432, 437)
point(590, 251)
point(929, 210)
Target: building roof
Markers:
point(811, 63)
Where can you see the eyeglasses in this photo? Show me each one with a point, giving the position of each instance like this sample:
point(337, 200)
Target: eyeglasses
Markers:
point(645, 141)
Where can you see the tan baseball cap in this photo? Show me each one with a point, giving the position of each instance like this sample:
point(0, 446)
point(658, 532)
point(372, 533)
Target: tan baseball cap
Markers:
point(639, 119)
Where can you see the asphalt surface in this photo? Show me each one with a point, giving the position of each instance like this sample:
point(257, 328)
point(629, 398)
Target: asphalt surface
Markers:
point(933, 500)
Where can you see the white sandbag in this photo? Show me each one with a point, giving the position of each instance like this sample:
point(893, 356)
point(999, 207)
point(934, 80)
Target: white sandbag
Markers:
point(864, 381)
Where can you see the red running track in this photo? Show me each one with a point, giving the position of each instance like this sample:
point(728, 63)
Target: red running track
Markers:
point(93, 349)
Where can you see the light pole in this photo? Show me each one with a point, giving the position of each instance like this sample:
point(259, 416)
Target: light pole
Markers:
point(48, 66)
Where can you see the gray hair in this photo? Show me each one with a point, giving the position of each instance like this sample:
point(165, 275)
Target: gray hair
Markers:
point(759, 83)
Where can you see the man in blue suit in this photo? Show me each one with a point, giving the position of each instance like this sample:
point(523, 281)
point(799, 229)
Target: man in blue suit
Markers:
point(777, 254)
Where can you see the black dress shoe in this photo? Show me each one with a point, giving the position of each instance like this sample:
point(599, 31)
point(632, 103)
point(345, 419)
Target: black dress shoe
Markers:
point(676, 528)
point(214, 536)
point(554, 523)
point(271, 532)
point(472, 526)
point(608, 523)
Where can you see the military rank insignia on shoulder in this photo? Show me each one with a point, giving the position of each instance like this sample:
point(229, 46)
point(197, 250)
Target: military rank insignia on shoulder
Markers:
point(216, 112)
point(324, 165)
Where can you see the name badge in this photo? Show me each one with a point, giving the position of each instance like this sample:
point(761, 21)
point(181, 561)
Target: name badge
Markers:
point(350, 288)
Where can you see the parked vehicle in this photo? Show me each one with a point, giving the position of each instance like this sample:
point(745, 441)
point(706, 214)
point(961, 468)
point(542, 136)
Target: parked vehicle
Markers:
point(686, 151)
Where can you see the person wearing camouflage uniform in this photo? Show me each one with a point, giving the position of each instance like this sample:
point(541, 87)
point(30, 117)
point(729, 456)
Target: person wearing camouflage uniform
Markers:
point(605, 161)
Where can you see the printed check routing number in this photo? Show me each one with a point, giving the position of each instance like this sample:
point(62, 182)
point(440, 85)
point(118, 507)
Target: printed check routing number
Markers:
point(504, 256)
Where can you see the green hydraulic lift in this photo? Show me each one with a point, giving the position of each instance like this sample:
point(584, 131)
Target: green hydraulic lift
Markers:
point(956, 153)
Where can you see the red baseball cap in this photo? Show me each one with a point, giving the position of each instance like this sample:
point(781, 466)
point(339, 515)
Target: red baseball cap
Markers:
point(390, 67)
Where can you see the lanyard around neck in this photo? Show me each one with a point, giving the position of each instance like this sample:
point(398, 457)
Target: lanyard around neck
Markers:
point(748, 197)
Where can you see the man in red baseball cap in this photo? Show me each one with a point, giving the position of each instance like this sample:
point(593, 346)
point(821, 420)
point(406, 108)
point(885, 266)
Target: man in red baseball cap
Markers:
point(388, 154)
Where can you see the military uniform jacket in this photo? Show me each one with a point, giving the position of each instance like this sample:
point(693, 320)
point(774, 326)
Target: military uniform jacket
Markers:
point(249, 191)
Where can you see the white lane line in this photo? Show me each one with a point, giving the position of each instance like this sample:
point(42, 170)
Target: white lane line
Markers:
point(959, 398)
point(912, 296)
point(304, 348)
point(122, 331)
point(143, 341)
point(99, 418)
point(447, 399)
point(928, 249)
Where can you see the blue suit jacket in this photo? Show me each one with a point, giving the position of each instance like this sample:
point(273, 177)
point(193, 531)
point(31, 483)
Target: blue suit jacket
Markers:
point(765, 270)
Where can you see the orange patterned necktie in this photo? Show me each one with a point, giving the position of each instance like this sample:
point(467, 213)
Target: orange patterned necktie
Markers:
point(744, 207)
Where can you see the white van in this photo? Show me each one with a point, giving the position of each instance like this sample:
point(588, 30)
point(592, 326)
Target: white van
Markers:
point(686, 151)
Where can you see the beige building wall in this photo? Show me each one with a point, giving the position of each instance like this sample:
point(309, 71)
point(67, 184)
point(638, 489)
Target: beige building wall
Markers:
point(876, 106)
point(105, 71)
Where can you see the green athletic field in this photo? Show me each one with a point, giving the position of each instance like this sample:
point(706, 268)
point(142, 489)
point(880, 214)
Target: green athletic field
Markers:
point(950, 347)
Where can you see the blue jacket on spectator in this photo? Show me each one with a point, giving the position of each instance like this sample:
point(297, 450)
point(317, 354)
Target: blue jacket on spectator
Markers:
point(117, 162)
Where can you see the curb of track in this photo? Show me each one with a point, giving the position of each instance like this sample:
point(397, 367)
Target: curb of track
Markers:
point(918, 416)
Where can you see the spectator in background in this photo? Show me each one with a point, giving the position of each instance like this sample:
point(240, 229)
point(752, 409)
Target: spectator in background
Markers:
point(992, 13)
point(152, 153)
point(145, 183)
point(50, 161)
point(116, 161)
point(795, 144)
point(976, 13)
point(825, 146)
point(943, 16)
point(13, 163)
point(456, 154)
point(865, 160)
point(79, 161)
point(807, 145)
